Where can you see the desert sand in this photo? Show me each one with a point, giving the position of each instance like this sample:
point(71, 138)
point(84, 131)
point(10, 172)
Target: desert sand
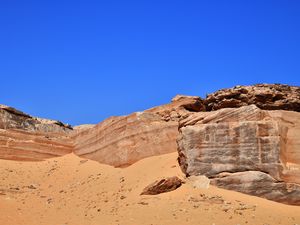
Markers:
point(244, 138)
point(74, 191)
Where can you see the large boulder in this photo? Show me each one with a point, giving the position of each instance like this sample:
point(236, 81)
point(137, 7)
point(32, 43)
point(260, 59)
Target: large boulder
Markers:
point(161, 186)
point(260, 184)
point(225, 145)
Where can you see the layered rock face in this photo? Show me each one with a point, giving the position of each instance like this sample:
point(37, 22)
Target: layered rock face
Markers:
point(245, 138)
point(245, 149)
point(11, 118)
point(121, 141)
point(117, 141)
point(23, 137)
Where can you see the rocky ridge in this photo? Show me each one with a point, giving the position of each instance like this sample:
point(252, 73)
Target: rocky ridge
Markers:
point(23, 137)
point(122, 140)
point(244, 138)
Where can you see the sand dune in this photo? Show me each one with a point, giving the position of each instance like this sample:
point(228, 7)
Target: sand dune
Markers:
point(73, 191)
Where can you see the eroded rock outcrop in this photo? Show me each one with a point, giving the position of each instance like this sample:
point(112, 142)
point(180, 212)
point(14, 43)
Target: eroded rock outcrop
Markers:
point(231, 146)
point(161, 186)
point(264, 96)
point(123, 140)
point(117, 141)
point(245, 138)
point(260, 184)
point(11, 118)
point(23, 137)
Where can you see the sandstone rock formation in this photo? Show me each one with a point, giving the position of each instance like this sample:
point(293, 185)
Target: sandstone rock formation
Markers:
point(162, 186)
point(260, 184)
point(123, 140)
point(245, 138)
point(117, 141)
point(181, 106)
point(11, 118)
point(264, 96)
point(245, 149)
point(23, 137)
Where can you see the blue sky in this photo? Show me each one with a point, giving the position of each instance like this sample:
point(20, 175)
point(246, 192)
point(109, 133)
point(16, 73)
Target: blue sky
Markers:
point(83, 61)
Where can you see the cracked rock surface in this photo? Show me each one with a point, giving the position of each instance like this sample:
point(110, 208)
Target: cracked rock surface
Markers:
point(245, 149)
point(264, 96)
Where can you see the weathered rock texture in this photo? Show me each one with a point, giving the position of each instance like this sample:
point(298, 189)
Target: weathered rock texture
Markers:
point(117, 141)
point(245, 149)
point(23, 137)
point(11, 118)
point(162, 186)
point(264, 96)
point(245, 138)
point(123, 140)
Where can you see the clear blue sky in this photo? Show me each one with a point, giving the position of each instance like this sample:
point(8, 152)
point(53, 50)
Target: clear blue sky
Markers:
point(83, 61)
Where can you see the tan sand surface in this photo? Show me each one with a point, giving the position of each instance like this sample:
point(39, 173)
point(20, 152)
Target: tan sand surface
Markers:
point(70, 190)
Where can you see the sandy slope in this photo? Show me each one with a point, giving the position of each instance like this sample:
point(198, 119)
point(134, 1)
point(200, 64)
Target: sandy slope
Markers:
point(70, 190)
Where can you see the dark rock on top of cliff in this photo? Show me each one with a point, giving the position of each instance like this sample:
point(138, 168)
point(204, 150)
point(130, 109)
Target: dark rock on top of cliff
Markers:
point(11, 118)
point(264, 96)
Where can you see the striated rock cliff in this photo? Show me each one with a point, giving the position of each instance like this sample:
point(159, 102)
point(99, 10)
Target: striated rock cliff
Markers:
point(245, 138)
point(11, 118)
point(245, 149)
point(123, 140)
point(117, 141)
point(23, 137)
